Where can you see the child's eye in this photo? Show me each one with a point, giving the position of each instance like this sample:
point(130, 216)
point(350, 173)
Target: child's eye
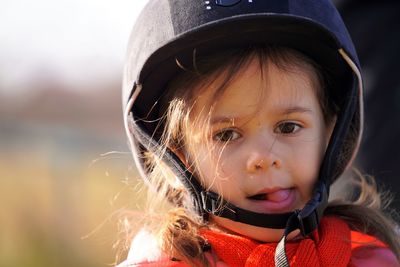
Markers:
point(226, 135)
point(288, 128)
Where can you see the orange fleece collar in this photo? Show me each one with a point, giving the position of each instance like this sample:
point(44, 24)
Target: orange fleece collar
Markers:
point(330, 245)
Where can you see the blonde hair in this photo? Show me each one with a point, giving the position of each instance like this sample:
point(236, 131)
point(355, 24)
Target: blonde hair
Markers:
point(178, 232)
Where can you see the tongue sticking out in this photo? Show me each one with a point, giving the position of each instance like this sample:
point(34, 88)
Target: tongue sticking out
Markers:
point(279, 195)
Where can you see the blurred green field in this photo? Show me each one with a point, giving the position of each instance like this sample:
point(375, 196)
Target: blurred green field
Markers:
point(62, 192)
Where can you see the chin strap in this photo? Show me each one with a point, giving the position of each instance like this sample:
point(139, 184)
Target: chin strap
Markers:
point(213, 204)
point(306, 220)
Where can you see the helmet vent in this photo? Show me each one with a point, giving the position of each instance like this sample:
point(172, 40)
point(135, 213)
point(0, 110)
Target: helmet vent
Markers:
point(226, 2)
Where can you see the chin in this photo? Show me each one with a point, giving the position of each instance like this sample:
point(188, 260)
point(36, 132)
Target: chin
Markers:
point(257, 233)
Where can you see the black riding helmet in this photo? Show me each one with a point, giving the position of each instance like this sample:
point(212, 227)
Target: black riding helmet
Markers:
point(168, 31)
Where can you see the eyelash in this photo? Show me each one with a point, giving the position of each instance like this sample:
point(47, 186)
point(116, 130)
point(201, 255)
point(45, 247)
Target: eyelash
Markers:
point(221, 135)
point(297, 127)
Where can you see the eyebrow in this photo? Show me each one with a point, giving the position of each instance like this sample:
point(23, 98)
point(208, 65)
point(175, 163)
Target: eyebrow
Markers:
point(295, 109)
point(223, 119)
point(280, 111)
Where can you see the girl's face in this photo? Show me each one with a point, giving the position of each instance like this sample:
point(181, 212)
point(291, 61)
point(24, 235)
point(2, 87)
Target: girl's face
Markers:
point(266, 139)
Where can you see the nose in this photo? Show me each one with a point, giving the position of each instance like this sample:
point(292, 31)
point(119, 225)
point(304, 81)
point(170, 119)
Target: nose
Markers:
point(262, 160)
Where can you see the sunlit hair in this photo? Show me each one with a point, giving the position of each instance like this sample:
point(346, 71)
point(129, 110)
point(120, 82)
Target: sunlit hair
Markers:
point(170, 207)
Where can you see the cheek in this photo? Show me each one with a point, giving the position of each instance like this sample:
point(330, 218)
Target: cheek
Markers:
point(204, 166)
point(218, 171)
point(305, 162)
point(211, 167)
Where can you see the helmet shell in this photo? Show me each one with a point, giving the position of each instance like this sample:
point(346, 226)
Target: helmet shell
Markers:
point(170, 30)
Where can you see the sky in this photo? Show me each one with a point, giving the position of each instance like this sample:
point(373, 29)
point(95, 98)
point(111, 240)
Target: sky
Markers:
point(73, 42)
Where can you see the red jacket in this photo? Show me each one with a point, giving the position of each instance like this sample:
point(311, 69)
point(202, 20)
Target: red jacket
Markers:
point(330, 246)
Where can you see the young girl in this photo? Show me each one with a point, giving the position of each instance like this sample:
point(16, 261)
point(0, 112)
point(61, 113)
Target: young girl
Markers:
point(241, 114)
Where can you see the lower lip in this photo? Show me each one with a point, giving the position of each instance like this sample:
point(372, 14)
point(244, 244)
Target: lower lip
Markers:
point(268, 206)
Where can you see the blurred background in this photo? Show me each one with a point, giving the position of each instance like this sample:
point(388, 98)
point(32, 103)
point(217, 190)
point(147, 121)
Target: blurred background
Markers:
point(65, 171)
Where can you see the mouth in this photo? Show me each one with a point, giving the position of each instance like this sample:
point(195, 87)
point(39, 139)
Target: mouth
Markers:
point(275, 200)
point(275, 195)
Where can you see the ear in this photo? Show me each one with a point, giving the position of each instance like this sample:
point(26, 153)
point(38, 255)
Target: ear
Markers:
point(182, 155)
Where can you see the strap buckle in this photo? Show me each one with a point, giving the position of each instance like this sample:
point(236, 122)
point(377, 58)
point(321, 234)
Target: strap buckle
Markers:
point(210, 202)
point(310, 216)
point(214, 204)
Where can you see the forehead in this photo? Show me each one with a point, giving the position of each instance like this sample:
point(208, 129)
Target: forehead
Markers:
point(260, 84)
